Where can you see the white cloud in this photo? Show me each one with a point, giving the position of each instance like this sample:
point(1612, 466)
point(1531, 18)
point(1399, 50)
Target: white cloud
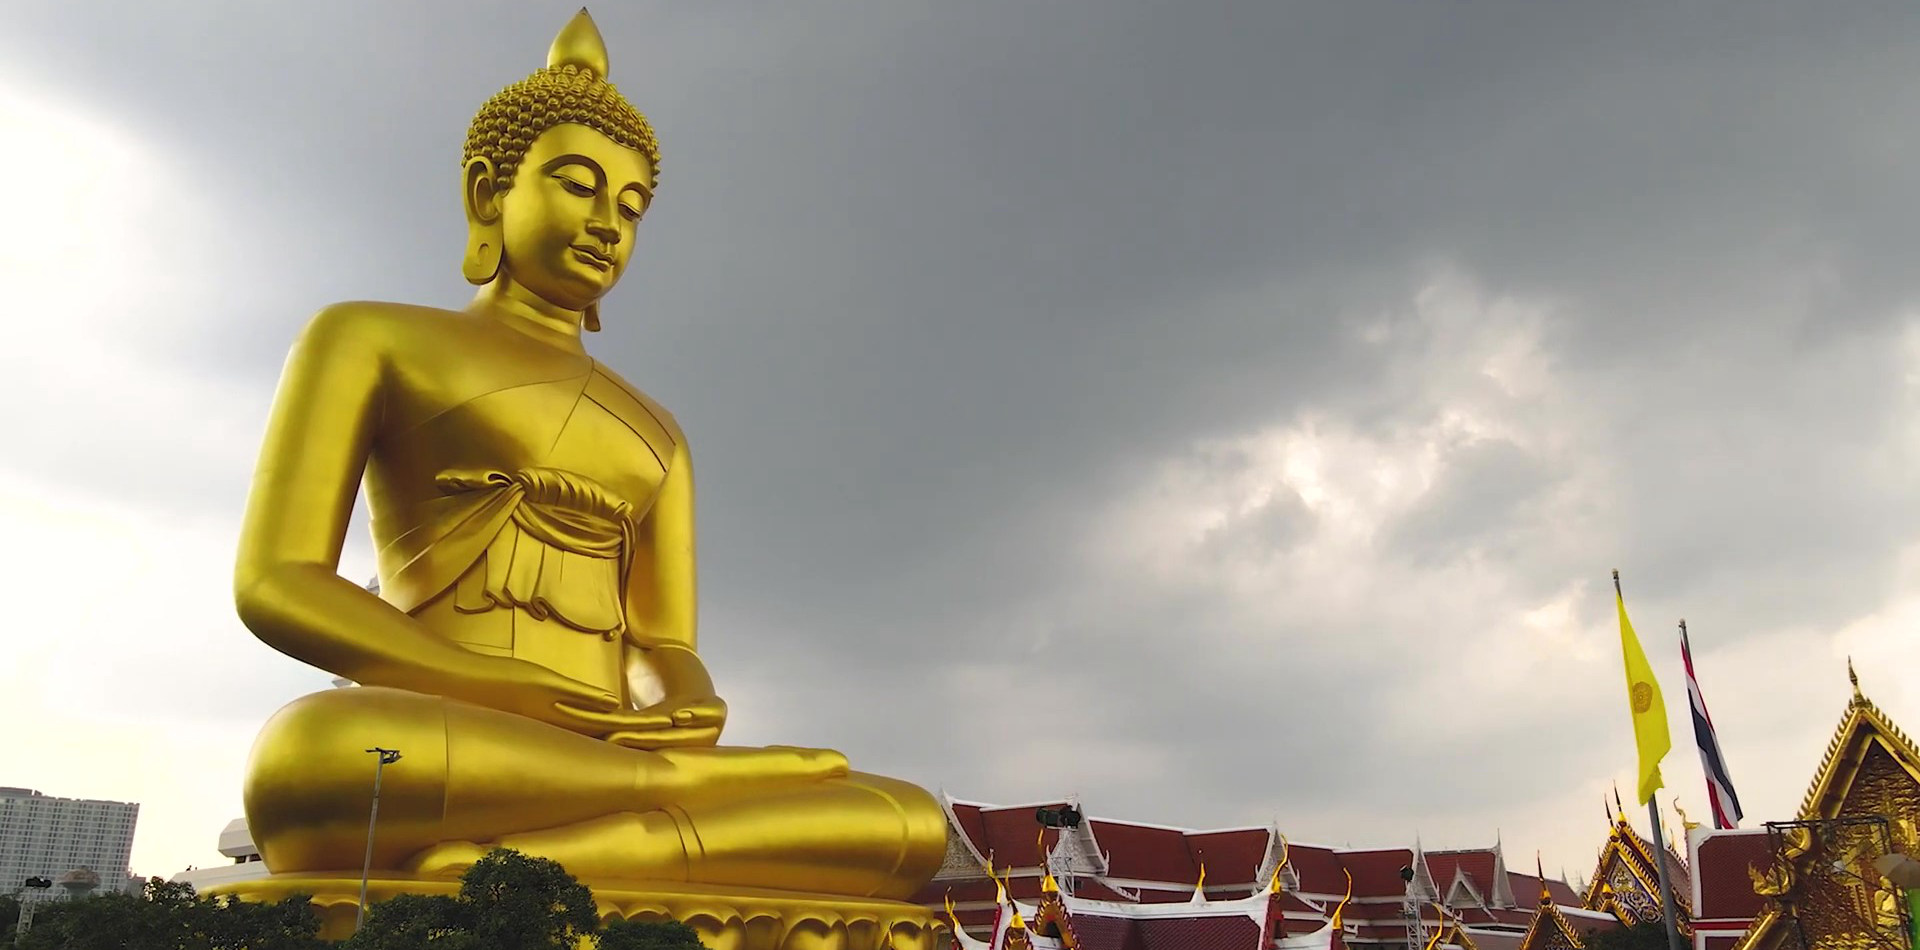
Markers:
point(1481, 700)
point(120, 491)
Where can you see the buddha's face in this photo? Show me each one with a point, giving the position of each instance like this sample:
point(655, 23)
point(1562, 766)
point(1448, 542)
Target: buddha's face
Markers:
point(567, 225)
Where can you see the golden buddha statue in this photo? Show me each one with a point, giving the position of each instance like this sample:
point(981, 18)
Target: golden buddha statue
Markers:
point(532, 647)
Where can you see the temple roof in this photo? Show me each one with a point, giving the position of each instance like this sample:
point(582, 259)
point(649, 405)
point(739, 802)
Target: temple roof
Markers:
point(1116, 871)
point(1626, 880)
point(1871, 770)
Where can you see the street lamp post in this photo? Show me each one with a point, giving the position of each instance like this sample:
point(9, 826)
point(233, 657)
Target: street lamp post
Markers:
point(387, 757)
point(24, 922)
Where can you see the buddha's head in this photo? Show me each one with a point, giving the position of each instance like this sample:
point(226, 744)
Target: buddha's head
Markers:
point(559, 169)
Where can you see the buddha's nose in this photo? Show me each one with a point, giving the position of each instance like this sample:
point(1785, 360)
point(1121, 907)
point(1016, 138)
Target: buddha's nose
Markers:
point(601, 228)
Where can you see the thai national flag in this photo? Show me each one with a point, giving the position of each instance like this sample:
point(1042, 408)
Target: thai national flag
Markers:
point(1726, 805)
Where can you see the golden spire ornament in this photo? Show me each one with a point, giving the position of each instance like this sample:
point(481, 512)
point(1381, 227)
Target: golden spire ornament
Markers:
point(579, 45)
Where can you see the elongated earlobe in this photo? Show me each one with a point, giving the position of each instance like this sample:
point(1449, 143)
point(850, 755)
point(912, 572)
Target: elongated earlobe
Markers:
point(592, 321)
point(482, 259)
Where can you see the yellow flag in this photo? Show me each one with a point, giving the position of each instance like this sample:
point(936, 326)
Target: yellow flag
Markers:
point(1643, 697)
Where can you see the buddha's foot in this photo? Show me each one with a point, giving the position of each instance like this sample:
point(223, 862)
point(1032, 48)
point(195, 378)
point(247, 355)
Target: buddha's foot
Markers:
point(447, 860)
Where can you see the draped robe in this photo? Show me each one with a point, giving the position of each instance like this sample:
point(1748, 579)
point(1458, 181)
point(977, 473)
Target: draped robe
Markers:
point(506, 517)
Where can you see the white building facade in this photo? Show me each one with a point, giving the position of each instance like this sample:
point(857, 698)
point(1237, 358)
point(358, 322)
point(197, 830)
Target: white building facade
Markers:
point(237, 844)
point(44, 836)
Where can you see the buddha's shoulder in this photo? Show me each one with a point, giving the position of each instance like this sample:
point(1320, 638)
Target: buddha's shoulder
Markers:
point(614, 385)
point(372, 325)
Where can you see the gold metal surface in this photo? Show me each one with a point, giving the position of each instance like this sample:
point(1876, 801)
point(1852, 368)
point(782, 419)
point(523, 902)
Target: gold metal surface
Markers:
point(533, 647)
point(1551, 930)
point(1626, 882)
point(1822, 891)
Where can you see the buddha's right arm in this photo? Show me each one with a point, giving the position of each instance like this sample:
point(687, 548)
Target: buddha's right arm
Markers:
point(286, 581)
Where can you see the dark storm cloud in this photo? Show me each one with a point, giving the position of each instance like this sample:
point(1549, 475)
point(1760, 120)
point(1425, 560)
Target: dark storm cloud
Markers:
point(939, 291)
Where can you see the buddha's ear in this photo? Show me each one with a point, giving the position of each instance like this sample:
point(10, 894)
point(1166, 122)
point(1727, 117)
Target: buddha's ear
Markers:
point(480, 195)
point(484, 240)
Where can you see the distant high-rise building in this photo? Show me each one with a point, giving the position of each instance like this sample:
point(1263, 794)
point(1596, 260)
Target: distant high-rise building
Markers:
point(44, 836)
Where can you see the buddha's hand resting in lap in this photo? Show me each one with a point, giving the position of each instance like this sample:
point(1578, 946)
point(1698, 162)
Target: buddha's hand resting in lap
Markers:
point(527, 689)
point(671, 723)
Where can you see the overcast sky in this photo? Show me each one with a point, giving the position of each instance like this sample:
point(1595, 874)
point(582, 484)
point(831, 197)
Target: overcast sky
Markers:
point(1222, 412)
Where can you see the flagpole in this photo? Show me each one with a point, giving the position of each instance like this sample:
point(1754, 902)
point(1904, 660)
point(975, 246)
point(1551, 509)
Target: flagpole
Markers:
point(1659, 846)
point(1666, 887)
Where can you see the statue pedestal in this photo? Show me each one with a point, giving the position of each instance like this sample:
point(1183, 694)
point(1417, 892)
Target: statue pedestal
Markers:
point(727, 918)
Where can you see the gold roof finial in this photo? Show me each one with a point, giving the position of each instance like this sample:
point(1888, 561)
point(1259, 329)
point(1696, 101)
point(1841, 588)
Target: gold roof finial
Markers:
point(1685, 824)
point(1854, 678)
point(579, 45)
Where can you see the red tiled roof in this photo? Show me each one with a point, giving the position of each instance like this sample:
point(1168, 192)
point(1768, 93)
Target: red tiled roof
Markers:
point(1231, 857)
point(1199, 933)
point(976, 922)
point(936, 893)
point(1478, 864)
point(1515, 915)
point(1295, 907)
point(1376, 873)
point(1011, 836)
point(1090, 889)
point(1373, 912)
point(1317, 868)
point(1107, 933)
point(1161, 895)
point(1141, 853)
point(1526, 890)
point(1725, 888)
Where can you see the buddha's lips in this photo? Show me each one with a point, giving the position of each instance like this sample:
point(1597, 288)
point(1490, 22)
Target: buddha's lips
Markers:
point(605, 262)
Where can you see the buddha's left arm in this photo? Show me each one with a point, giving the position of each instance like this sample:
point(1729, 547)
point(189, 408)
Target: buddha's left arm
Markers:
point(662, 601)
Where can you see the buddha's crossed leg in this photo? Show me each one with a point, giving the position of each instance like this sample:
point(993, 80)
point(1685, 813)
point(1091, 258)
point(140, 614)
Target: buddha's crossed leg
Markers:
point(473, 777)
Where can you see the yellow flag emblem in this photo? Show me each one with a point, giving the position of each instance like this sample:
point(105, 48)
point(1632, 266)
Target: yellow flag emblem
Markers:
point(1643, 696)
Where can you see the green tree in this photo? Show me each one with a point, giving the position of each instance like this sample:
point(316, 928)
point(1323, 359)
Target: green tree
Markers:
point(516, 902)
point(171, 916)
point(228, 923)
point(414, 921)
point(649, 935)
point(507, 901)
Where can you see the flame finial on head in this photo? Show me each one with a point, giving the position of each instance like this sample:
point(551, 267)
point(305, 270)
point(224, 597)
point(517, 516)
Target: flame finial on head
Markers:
point(579, 45)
